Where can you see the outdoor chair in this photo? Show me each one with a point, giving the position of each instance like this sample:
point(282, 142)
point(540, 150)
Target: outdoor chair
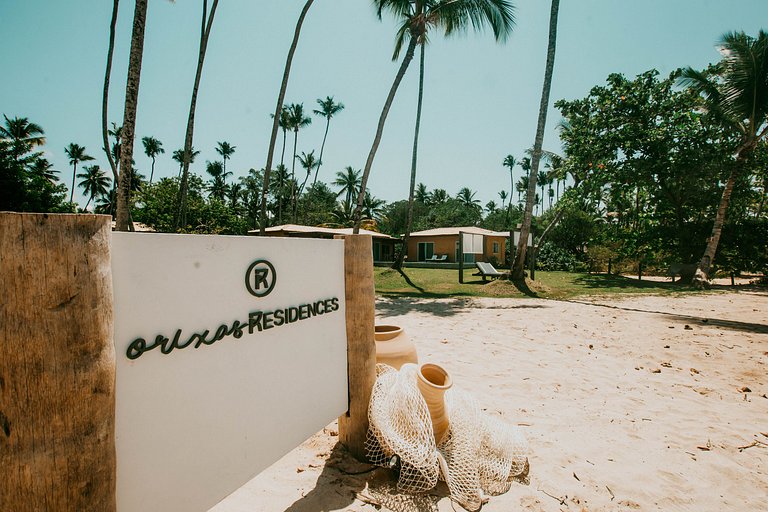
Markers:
point(487, 270)
point(443, 257)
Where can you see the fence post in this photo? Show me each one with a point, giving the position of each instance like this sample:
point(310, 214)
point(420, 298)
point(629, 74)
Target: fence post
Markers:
point(57, 363)
point(361, 348)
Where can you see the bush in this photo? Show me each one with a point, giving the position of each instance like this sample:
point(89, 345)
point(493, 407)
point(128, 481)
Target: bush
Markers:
point(552, 257)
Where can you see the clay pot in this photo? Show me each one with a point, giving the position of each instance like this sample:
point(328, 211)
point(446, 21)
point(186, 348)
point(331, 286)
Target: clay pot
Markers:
point(433, 382)
point(393, 346)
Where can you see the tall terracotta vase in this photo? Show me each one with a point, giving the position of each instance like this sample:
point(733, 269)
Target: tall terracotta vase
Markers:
point(394, 347)
point(433, 382)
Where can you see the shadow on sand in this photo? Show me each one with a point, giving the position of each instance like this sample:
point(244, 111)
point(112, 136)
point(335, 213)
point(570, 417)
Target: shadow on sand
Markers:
point(403, 305)
point(344, 480)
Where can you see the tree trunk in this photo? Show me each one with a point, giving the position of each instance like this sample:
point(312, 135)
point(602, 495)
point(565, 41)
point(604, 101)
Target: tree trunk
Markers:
point(380, 129)
point(57, 366)
point(276, 119)
point(152, 174)
point(129, 117)
point(105, 95)
point(72, 191)
point(518, 268)
point(293, 175)
point(701, 278)
point(205, 31)
point(322, 148)
point(409, 222)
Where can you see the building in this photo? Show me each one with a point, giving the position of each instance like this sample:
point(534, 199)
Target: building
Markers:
point(383, 245)
point(442, 244)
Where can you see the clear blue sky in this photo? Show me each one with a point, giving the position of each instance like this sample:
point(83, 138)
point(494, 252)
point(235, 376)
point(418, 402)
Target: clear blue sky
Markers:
point(481, 98)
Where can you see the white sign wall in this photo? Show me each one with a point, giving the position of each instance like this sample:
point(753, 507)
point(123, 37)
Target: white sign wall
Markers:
point(216, 378)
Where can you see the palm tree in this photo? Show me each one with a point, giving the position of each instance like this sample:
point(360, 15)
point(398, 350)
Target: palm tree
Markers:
point(152, 148)
point(467, 198)
point(276, 117)
point(349, 181)
point(205, 32)
point(421, 194)
point(503, 196)
point(178, 156)
point(105, 94)
point(297, 120)
point(234, 194)
point(76, 154)
point(418, 16)
point(328, 109)
point(21, 135)
point(525, 165)
point(123, 220)
point(491, 206)
point(226, 150)
point(738, 94)
point(94, 182)
point(372, 206)
point(44, 169)
point(517, 271)
point(542, 179)
point(510, 162)
point(521, 186)
point(438, 196)
point(308, 162)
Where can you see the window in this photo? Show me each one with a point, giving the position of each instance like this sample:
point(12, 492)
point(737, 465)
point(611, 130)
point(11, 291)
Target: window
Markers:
point(469, 258)
point(426, 251)
point(495, 247)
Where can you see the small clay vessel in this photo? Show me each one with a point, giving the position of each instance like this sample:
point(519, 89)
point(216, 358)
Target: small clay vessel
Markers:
point(393, 346)
point(433, 382)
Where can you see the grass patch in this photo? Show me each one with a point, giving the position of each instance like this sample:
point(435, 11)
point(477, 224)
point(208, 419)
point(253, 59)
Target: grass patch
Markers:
point(439, 283)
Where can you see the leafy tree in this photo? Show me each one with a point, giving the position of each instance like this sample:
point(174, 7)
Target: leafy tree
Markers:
point(416, 18)
point(737, 93)
point(76, 154)
point(152, 148)
point(328, 109)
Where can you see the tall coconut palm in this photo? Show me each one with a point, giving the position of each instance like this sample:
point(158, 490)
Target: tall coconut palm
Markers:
point(277, 115)
point(21, 135)
point(226, 150)
point(467, 198)
point(297, 120)
point(205, 32)
point(178, 157)
point(105, 93)
point(328, 109)
point(152, 148)
point(503, 196)
point(349, 181)
point(417, 18)
point(76, 154)
point(738, 94)
point(517, 271)
point(123, 220)
point(307, 162)
point(94, 182)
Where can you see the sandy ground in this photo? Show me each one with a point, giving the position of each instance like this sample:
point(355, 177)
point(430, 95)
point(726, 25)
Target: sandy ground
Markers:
point(643, 403)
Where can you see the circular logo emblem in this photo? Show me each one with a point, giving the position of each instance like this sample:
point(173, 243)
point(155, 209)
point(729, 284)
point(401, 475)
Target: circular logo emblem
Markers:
point(260, 278)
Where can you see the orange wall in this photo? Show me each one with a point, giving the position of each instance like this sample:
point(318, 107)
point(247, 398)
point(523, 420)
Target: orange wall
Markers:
point(446, 244)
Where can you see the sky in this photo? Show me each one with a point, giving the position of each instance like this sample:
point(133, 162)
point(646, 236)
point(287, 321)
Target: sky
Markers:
point(481, 98)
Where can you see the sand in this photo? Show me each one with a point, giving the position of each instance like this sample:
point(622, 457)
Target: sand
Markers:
point(641, 403)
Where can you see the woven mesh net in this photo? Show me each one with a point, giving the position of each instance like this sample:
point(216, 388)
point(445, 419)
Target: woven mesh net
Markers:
point(480, 455)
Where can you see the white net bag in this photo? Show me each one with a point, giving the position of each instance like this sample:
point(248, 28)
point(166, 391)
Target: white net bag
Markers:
point(479, 454)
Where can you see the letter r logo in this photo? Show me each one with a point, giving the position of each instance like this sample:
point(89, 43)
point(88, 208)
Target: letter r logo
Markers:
point(260, 278)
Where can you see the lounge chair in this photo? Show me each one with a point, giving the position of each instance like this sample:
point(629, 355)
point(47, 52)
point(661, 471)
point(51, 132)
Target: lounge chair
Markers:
point(443, 257)
point(487, 270)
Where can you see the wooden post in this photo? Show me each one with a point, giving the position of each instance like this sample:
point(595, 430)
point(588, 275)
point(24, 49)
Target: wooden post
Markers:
point(461, 258)
point(361, 348)
point(57, 364)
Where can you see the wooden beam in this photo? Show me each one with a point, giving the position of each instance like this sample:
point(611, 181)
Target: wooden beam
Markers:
point(361, 348)
point(57, 364)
